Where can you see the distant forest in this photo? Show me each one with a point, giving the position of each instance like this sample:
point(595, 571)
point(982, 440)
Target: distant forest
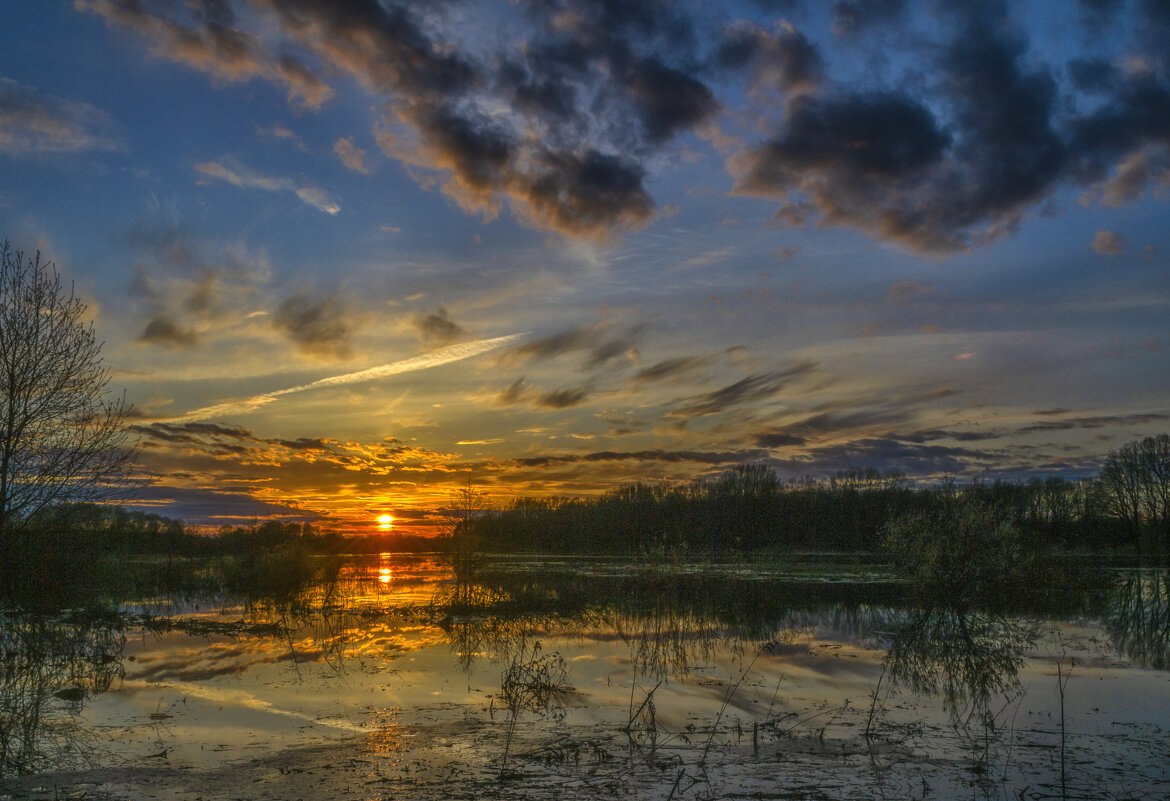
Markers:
point(749, 509)
point(745, 509)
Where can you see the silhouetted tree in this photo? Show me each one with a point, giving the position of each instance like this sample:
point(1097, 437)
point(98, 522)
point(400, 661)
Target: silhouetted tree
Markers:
point(60, 439)
point(1136, 485)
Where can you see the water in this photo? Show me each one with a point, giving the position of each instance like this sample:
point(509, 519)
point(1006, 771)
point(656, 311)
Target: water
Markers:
point(402, 677)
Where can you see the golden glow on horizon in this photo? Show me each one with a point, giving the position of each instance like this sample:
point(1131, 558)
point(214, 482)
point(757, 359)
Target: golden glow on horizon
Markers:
point(385, 522)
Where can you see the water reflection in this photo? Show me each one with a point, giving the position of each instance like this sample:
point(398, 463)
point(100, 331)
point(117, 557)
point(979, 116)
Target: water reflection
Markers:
point(48, 668)
point(969, 659)
point(669, 621)
point(1138, 617)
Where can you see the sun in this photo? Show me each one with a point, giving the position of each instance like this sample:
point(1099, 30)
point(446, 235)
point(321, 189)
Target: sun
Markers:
point(385, 522)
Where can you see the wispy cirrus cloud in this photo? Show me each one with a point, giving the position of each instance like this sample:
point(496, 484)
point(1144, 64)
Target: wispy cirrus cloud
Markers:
point(351, 155)
point(752, 389)
point(424, 361)
point(32, 123)
point(246, 178)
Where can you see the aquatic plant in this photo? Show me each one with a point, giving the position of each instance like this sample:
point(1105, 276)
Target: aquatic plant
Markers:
point(533, 681)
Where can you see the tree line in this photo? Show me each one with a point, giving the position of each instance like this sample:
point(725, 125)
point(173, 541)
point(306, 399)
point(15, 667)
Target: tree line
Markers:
point(748, 508)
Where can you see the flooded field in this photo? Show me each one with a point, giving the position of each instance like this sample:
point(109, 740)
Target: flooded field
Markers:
point(408, 677)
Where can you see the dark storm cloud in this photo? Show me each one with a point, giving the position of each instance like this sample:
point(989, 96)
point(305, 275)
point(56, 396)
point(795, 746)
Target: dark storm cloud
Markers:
point(668, 101)
point(561, 121)
point(163, 330)
point(752, 389)
point(586, 193)
point(318, 326)
point(437, 328)
point(785, 60)
point(886, 164)
point(863, 160)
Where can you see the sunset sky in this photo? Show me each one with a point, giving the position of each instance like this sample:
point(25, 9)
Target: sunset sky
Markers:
point(348, 255)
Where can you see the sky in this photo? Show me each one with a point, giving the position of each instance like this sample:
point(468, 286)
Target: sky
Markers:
point(348, 256)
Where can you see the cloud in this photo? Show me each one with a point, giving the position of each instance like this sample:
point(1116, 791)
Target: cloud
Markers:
point(230, 507)
point(162, 330)
point(35, 124)
point(437, 328)
point(516, 392)
point(1108, 243)
point(1096, 421)
point(214, 46)
point(785, 59)
point(562, 398)
point(281, 132)
point(424, 361)
point(318, 199)
point(863, 160)
point(888, 453)
point(785, 254)
point(193, 433)
point(883, 162)
point(247, 178)
point(520, 392)
point(351, 155)
point(601, 346)
point(752, 389)
point(670, 457)
point(319, 327)
point(1129, 180)
point(563, 121)
point(671, 368)
point(777, 439)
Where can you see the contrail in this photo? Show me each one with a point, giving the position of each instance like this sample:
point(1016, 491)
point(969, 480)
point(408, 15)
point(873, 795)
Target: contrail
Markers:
point(453, 353)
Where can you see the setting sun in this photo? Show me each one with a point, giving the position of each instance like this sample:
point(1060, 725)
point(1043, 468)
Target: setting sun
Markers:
point(385, 521)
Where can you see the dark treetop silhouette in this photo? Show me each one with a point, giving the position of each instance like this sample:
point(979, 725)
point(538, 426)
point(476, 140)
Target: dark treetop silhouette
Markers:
point(60, 439)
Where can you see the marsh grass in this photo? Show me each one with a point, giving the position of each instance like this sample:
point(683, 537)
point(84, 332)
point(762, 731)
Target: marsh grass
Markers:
point(533, 682)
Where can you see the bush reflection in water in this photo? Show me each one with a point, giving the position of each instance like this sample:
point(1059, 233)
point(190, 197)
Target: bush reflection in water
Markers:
point(966, 647)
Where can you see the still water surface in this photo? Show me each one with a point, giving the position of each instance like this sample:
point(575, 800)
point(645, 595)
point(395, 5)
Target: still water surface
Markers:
point(819, 677)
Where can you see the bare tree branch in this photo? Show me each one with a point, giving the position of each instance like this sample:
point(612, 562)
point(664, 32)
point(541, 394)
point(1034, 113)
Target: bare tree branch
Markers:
point(61, 440)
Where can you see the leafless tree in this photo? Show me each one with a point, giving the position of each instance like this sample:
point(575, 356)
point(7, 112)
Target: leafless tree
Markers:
point(466, 505)
point(61, 440)
point(1136, 484)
